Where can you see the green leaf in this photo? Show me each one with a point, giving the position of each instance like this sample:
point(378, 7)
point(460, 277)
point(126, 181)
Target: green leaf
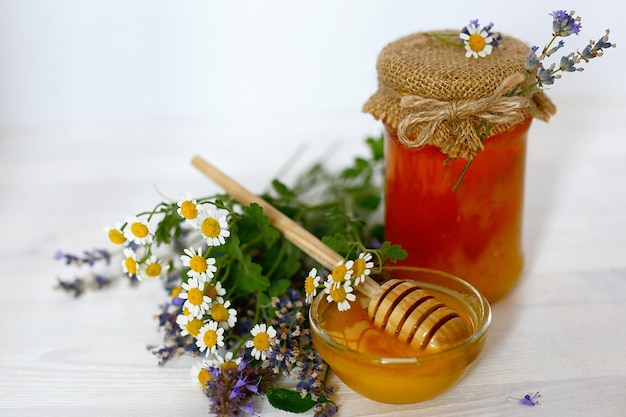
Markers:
point(377, 232)
point(367, 199)
point(232, 247)
point(255, 223)
point(360, 165)
point(377, 147)
point(278, 287)
point(263, 300)
point(289, 400)
point(282, 189)
point(291, 264)
point(171, 221)
point(339, 243)
point(392, 252)
point(248, 276)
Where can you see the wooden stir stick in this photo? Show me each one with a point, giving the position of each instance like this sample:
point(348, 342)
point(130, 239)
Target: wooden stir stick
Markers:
point(401, 308)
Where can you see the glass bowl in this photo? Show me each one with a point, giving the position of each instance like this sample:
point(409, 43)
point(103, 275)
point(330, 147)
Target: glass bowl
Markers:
point(379, 366)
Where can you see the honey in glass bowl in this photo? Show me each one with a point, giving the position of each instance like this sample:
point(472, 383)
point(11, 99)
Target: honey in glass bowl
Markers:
point(380, 367)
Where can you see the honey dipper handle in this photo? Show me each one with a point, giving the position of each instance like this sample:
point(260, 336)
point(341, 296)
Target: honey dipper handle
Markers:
point(291, 230)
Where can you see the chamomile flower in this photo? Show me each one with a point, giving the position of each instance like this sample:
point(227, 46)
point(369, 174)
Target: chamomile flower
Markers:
point(226, 362)
point(200, 373)
point(152, 268)
point(311, 282)
point(213, 291)
point(175, 291)
point(263, 337)
point(224, 316)
point(129, 263)
point(478, 42)
point(339, 274)
point(341, 295)
point(138, 231)
point(361, 267)
point(189, 325)
point(188, 208)
point(193, 292)
point(199, 266)
point(213, 224)
point(115, 234)
point(210, 338)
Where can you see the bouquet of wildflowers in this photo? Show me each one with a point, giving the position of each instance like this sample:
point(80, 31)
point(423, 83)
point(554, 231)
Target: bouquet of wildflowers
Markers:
point(238, 292)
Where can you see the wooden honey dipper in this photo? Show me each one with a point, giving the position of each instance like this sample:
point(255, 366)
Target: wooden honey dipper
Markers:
point(401, 308)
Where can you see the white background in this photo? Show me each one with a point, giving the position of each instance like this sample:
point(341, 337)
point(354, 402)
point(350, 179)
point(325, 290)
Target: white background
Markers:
point(116, 62)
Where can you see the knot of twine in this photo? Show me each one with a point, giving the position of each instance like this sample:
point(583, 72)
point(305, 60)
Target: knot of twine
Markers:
point(461, 138)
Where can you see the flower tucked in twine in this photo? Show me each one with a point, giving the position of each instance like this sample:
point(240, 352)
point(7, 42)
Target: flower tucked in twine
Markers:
point(479, 42)
point(460, 117)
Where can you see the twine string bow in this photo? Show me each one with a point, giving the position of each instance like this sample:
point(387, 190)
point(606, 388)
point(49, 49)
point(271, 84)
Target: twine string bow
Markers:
point(461, 118)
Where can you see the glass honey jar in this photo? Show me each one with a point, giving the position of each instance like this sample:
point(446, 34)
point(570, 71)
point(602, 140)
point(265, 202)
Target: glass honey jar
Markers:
point(455, 156)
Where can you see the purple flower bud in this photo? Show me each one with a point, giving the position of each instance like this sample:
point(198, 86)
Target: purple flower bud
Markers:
point(564, 24)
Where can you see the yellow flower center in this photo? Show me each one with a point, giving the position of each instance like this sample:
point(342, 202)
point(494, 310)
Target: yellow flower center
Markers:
point(116, 237)
point(261, 341)
point(131, 265)
point(139, 229)
point(338, 294)
point(204, 376)
point(175, 291)
point(210, 338)
point(309, 285)
point(186, 311)
point(219, 312)
point(210, 291)
point(339, 273)
point(476, 42)
point(228, 366)
point(195, 296)
point(358, 268)
point(153, 270)
point(198, 263)
point(211, 227)
point(189, 210)
point(193, 326)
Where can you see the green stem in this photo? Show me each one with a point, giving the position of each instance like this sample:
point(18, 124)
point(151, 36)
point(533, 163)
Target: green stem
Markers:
point(442, 38)
point(277, 261)
point(483, 128)
point(527, 89)
point(548, 45)
point(465, 168)
point(239, 345)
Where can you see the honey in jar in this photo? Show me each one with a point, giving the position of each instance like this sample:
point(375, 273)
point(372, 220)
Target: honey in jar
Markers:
point(474, 230)
point(455, 156)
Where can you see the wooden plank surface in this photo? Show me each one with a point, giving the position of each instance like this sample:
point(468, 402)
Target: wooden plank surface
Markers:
point(561, 332)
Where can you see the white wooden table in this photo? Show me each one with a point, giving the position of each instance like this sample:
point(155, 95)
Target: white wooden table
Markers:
point(562, 332)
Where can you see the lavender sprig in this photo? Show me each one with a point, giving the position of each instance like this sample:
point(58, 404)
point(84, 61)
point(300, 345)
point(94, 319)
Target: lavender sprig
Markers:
point(231, 391)
point(563, 25)
point(88, 258)
point(78, 286)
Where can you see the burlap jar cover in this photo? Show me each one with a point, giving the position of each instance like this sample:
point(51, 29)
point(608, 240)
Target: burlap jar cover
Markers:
point(431, 94)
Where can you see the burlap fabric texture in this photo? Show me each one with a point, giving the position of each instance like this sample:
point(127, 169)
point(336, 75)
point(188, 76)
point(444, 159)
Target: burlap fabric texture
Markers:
point(431, 94)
